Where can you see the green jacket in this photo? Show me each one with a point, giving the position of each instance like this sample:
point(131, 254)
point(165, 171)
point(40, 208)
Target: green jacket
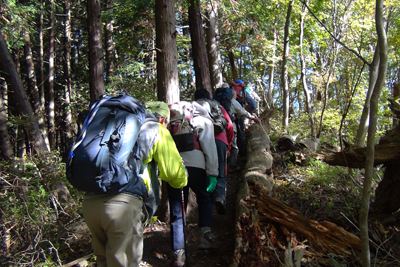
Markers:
point(158, 151)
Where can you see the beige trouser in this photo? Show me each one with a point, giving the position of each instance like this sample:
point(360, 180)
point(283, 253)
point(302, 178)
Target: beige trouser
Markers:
point(116, 224)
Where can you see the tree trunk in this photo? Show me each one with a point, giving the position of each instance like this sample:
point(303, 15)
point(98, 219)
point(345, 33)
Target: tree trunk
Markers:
point(309, 104)
point(5, 145)
point(214, 54)
point(21, 99)
point(363, 126)
point(96, 81)
point(373, 117)
point(270, 101)
point(199, 53)
point(167, 61)
point(233, 66)
point(284, 79)
point(50, 86)
point(41, 79)
point(110, 47)
point(67, 125)
point(32, 86)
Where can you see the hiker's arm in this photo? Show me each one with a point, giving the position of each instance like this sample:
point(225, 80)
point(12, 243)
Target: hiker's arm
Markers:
point(239, 110)
point(169, 161)
point(252, 103)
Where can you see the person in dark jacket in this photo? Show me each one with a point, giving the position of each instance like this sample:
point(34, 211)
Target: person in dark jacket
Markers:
point(223, 141)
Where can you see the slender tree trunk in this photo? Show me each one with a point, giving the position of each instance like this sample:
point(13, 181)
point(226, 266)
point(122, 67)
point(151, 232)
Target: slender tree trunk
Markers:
point(32, 86)
point(96, 68)
point(364, 121)
point(270, 101)
point(50, 85)
point(5, 145)
point(68, 132)
point(309, 104)
point(167, 61)
point(200, 63)
point(21, 99)
point(110, 47)
point(214, 54)
point(41, 60)
point(284, 80)
point(371, 140)
point(233, 66)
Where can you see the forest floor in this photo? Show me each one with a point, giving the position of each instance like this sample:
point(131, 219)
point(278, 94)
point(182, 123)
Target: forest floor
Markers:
point(316, 190)
point(338, 204)
point(157, 241)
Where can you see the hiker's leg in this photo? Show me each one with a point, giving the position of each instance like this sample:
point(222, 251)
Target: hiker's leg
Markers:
point(221, 179)
point(198, 182)
point(121, 218)
point(233, 153)
point(240, 135)
point(175, 211)
point(99, 237)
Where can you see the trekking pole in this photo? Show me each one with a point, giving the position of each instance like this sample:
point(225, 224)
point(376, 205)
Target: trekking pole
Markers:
point(184, 227)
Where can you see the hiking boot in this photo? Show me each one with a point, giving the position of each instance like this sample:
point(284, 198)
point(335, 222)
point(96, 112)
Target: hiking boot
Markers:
point(180, 258)
point(220, 206)
point(207, 241)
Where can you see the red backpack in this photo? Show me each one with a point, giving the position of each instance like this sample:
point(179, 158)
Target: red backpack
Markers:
point(239, 88)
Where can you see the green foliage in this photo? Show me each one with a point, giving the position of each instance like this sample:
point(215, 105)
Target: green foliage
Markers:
point(33, 216)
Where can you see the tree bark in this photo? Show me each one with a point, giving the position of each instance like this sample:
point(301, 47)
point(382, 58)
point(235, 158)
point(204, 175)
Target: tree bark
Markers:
point(284, 79)
point(96, 68)
point(23, 106)
point(214, 54)
point(167, 61)
point(199, 53)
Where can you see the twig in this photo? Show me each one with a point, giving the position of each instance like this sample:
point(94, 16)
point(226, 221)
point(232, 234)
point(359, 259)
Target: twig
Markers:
point(377, 246)
point(276, 254)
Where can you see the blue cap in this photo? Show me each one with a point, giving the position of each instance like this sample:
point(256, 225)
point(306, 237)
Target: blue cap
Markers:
point(239, 81)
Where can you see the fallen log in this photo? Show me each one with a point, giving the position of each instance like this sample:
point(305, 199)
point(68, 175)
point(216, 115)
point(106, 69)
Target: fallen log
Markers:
point(323, 236)
point(355, 157)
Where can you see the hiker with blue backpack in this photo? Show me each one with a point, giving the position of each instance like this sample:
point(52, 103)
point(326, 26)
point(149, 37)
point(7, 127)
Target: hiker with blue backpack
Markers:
point(193, 131)
point(223, 140)
point(118, 141)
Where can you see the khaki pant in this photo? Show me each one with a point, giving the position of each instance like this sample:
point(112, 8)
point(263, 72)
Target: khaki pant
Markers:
point(116, 224)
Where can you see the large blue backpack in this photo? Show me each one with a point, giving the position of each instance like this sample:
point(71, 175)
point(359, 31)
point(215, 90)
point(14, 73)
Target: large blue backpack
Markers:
point(104, 159)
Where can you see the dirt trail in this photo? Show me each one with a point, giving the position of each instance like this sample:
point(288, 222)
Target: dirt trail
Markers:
point(157, 245)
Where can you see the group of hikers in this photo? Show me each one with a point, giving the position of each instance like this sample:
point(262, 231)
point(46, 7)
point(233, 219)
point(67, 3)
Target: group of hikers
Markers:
point(124, 147)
